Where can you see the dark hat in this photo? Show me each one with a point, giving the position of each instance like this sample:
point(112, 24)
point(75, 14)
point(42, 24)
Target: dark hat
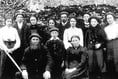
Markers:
point(64, 12)
point(94, 17)
point(16, 14)
point(54, 29)
point(72, 15)
point(35, 35)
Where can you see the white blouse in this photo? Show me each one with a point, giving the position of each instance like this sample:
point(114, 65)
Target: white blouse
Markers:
point(111, 31)
point(68, 33)
point(9, 34)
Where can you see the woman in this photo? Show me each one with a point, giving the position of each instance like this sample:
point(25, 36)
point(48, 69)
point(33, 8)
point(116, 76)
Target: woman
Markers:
point(95, 43)
point(76, 60)
point(112, 44)
point(51, 24)
point(36, 28)
point(9, 42)
point(72, 30)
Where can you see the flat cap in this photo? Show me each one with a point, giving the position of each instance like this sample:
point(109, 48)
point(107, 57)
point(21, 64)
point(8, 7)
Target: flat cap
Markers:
point(64, 12)
point(54, 29)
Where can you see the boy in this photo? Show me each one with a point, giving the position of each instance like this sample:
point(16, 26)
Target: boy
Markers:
point(56, 53)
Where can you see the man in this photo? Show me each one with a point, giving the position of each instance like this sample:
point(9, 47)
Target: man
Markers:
point(34, 59)
point(63, 23)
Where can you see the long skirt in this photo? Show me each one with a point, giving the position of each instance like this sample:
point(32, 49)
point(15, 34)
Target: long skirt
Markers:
point(96, 61)
point(112, 55)
point(7, 67)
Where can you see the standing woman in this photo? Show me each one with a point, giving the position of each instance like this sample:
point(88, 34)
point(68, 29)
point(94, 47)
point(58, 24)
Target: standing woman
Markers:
point(72, 30)
point(112, 44)
point(34, 27)
point(95, 43)
point(51, 24)
point(76, 61)
point(9, 42)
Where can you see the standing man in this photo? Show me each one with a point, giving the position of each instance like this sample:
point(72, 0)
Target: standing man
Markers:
point(63, 23)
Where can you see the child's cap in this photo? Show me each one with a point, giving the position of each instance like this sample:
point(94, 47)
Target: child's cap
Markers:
point(54, 29)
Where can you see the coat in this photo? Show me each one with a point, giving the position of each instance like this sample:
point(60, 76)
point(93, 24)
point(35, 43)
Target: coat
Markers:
point(94, 36)
point(56, 56)
point(34, 61)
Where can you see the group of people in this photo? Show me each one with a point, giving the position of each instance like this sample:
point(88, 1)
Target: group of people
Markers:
point(71, 49)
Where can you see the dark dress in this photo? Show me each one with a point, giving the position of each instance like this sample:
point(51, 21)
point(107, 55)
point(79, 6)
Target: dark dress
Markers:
point(8, 69)
point(56, 56)
point(77, 58)
point(96, 61)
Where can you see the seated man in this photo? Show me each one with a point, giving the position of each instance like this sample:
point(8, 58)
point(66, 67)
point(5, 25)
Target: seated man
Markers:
point(34, 59)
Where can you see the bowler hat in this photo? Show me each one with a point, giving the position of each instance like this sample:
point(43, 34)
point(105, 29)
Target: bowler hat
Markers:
point(35, 35)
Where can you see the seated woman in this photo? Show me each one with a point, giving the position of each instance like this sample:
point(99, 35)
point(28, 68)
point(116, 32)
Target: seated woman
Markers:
point(9, 42)
point(76, 60)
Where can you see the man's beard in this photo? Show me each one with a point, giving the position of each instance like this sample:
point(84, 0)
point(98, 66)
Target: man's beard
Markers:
point(34, 47)
point(64, 21)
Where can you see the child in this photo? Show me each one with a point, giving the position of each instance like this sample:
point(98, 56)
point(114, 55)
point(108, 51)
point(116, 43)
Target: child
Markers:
point(56, 50)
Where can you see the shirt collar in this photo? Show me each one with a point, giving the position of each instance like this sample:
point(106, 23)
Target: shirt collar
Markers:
point(64, 23)
point(52, 38)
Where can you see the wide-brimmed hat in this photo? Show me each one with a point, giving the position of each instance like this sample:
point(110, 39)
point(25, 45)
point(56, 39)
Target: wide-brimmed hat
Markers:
point(94, 17)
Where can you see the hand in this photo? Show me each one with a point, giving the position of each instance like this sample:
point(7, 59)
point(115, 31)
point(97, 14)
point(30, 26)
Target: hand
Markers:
point(97, 45)
point(62, 65)
point(8, 50)
point(46, 75)
point(69, 70)
point(25, 74)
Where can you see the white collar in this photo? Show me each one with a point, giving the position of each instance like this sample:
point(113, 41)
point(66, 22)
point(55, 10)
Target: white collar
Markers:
point(64, 23)
point(52, 38)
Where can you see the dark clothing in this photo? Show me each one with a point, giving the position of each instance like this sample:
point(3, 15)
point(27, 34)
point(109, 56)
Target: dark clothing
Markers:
point(8, 69)
point(77, 58)
point(34, 61)
point(56, 56)
point(62, 29)
point(112, 56)
point(7, 66)
point(22, 35)
point(95, 35)
point(84, 27)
